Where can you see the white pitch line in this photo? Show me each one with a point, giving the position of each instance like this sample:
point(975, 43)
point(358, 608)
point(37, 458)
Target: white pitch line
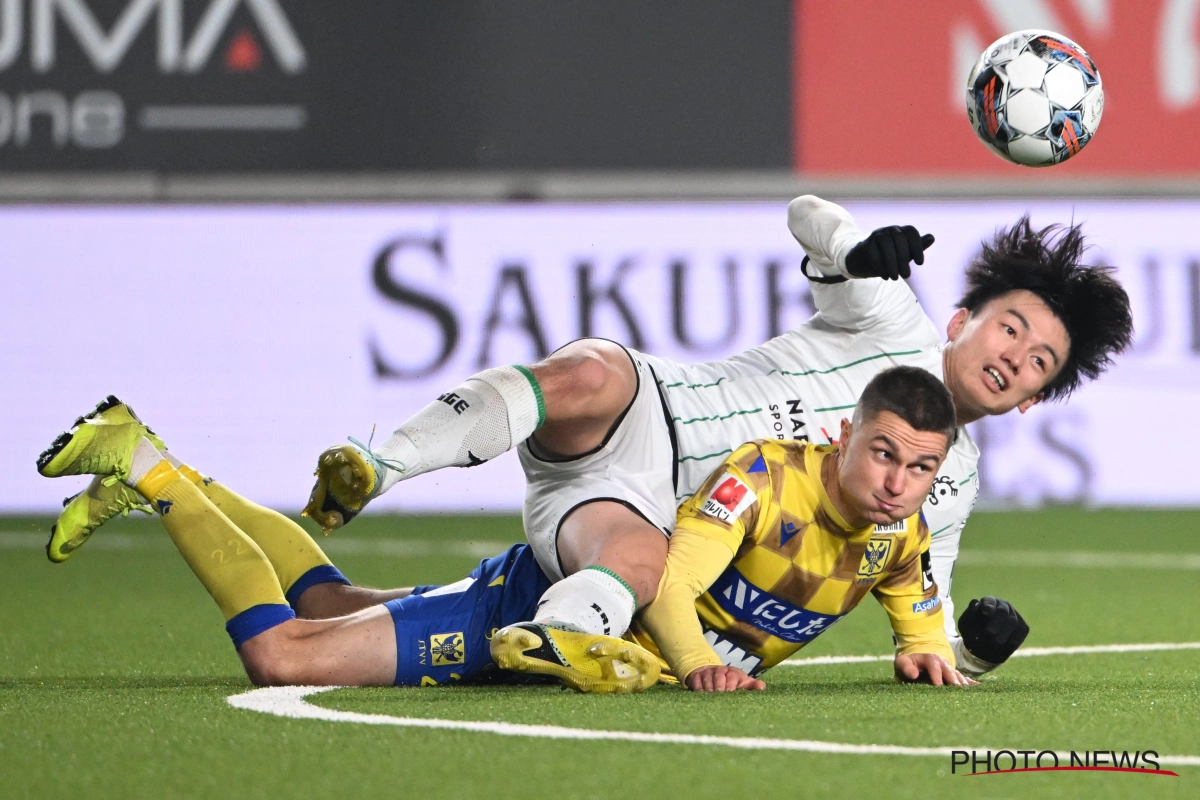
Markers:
point(338, 546)
point(1077, 559)
point(289, 701)
point(1025, 652)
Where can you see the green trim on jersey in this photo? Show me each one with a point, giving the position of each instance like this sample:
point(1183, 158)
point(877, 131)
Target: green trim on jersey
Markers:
point(682, 421)
point(798, 374)
point(692, 385)
point(843, 366)
point(710, 455)
point(537, 392)
point(834, 408)
point(967, 479)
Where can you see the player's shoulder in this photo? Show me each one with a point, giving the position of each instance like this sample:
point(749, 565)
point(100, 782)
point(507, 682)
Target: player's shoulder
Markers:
point(793, 457)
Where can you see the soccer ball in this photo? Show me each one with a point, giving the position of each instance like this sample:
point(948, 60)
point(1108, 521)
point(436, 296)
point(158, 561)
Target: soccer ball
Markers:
point(1035, 98)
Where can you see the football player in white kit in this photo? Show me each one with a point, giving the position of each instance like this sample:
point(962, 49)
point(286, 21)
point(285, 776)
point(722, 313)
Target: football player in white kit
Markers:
point(612, 440)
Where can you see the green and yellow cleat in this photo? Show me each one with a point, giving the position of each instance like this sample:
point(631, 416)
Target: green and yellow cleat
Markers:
point(100, 443)
point(83, 513)
point(348, 477)
point(586, 662)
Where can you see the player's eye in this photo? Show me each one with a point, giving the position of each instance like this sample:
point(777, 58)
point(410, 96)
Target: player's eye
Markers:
point(1040, 363)
point(1009, 330)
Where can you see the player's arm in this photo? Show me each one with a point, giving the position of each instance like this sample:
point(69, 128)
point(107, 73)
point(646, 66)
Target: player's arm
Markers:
point(991, 629)
point(855, 275)
point(701, 548)
point(909, 595)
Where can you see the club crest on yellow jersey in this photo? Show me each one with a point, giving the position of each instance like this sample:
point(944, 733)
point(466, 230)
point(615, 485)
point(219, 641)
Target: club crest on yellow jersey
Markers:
point(875, 558)
point(447, 649)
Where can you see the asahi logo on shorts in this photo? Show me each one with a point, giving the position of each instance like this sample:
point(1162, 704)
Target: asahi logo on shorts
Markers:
point(729, 499)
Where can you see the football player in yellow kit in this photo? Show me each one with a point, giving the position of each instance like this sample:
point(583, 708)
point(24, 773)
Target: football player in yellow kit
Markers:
point(786, 538)
point(782, 540)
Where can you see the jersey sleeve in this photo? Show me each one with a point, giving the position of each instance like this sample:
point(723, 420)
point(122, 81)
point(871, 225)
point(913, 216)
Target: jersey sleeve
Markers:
point(909, 595)
point(943, 552)
point(708, 533)
point(728, 504)
point(694, 562)
point(827, 233)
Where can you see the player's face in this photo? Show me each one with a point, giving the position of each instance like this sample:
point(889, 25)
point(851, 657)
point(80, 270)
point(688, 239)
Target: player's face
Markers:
point(1002, 356)
point(886, 469)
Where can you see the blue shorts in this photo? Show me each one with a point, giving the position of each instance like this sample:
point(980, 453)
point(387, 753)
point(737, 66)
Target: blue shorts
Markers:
point(443, 633)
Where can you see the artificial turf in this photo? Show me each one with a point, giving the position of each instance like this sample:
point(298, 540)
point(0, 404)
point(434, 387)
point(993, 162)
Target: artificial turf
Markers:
point(114, 669)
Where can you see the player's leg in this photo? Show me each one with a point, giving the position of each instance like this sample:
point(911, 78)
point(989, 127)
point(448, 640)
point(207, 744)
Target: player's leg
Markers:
point(274, 645)
point(587, 385)
point(598, 523)
point(313, 586)
point(571, 399)
point(355, 650)
point(613, 560)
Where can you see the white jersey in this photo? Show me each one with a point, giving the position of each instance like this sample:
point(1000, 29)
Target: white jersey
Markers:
point(800, 385)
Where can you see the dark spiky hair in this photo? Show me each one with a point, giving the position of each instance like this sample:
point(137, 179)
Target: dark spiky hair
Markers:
point(1088, 300)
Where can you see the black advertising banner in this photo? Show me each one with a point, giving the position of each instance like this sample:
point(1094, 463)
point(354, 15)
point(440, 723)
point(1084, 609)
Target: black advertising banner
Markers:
point(276, 85)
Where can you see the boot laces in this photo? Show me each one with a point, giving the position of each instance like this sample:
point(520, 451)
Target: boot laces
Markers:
point(378, 459)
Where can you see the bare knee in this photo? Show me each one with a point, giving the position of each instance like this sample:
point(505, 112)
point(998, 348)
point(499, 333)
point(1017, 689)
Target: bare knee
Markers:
point(640, 563)
point(588, 379)
point(329, 600)
point(272, 659)
point(610, 535)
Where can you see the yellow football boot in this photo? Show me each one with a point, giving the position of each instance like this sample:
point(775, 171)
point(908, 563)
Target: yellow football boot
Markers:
point(83, 513)
point(587, 662)
point(100, 443)
point(105, 496)
point(348, 477)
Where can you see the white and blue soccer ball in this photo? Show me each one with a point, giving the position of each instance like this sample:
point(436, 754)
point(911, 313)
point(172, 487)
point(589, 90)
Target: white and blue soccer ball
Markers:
point(1035, 98)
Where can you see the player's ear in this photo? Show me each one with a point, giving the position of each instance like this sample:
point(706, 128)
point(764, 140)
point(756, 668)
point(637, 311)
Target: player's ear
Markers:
point(1025, 405)
point(847, 429)
point(959, 321)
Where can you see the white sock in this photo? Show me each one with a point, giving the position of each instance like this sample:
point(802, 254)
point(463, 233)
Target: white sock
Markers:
point(170, 457)
point(488, 415)
point(593, 600)
point(145, 458)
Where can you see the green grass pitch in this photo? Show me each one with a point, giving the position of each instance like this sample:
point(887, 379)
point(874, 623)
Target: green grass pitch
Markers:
point(114, 669)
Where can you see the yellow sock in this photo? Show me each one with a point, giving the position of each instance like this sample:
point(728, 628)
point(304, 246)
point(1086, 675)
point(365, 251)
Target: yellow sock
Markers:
point(232, 568)
point(298, 561)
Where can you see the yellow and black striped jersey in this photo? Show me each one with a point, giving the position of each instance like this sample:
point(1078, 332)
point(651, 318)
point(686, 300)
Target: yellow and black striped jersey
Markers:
point(797, 567)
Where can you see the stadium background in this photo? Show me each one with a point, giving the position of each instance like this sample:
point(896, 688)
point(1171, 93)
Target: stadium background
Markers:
point(318, 221)
point(269, 224)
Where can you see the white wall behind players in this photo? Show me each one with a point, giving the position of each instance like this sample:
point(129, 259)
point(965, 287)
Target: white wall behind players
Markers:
point(248, 336)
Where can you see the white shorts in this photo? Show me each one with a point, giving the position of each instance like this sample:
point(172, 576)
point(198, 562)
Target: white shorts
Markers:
point(634, 466)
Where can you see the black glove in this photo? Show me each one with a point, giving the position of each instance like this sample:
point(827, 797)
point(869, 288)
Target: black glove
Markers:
point(992, 629)
point(886, 253)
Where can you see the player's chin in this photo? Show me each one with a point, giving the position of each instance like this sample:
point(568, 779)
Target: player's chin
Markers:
point(993, 404)
point(885, 513)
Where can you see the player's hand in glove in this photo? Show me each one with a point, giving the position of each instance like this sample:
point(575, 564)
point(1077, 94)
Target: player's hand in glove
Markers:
point(992, 630)
point(886, 253)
